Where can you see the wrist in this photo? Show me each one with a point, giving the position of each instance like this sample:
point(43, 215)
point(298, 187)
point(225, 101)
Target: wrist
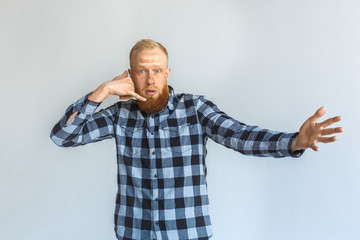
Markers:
point(100, 93)
point(294, 144)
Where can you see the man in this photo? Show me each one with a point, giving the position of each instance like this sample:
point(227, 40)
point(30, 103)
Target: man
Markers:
point(160, 141)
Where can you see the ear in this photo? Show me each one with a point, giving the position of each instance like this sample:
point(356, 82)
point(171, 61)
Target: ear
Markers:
point(130, 73)
point(167, 72)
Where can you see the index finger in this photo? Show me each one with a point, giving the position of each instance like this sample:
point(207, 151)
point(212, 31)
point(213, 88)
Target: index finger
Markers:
point(137, 96)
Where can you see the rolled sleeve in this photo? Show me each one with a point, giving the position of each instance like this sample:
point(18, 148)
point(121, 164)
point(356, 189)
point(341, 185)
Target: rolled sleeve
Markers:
point(87, 126)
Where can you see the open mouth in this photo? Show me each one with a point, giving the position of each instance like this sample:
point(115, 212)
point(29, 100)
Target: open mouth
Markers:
point(150, 92)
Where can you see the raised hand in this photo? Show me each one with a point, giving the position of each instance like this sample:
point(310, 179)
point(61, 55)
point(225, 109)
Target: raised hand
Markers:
point(122, 86)
point(312, 132)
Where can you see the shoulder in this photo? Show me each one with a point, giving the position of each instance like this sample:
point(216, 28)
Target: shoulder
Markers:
point(196, 103)
point(187, 97)
point(122, 107)
point(186, 100)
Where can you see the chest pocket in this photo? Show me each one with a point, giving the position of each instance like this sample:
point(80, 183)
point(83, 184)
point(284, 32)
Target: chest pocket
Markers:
point(178, 136)
point(131, 139)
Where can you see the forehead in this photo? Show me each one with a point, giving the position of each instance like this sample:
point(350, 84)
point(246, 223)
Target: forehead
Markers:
point(149, 57)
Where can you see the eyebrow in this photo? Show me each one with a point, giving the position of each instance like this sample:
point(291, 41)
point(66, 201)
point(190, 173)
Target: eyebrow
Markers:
point(147, 65)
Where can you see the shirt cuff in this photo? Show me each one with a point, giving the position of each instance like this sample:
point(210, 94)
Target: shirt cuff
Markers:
point(297, 153)
point(88, 107)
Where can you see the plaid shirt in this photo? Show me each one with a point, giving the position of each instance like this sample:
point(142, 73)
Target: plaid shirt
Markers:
point(162, 189)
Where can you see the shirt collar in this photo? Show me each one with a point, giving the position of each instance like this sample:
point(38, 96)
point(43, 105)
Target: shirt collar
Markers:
point(171, 103)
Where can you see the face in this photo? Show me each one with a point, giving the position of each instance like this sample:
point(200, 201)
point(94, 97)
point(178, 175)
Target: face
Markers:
point(150, 73)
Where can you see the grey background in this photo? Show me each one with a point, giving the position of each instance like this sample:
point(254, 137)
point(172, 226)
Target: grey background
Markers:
point(271, 63)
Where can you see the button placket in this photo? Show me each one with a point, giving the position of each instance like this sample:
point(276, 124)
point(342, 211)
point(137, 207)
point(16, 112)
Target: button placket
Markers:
point(152, 151)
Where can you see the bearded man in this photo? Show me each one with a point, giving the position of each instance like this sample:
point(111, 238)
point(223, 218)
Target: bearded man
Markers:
point(161, 146)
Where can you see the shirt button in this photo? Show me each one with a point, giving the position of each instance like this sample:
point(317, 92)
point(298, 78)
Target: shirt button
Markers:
point(155, 175)
point(153, 152)
point(157, 223)
point(152, 133)
point(156, 199)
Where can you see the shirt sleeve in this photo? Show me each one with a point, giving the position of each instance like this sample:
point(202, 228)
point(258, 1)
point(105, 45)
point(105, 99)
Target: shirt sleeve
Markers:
point(248, 140)
point(87, 126)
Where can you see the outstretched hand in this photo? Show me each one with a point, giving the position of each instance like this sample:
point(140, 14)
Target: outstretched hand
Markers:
point(312, 132)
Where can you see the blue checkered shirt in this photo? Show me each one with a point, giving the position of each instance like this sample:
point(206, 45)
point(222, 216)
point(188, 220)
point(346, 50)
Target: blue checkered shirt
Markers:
point(162, 189)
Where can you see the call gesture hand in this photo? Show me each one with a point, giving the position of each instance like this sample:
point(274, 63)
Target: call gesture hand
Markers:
point(312, 132)
point(122, 86)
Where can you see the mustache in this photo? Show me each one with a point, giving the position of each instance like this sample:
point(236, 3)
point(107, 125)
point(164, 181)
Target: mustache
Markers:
point(151, 88)
point(142, 92)
point(154, 104)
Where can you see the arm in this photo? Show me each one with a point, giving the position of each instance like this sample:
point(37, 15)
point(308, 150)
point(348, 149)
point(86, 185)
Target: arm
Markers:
point(81, 125)
point(253, 140)
point(121, 85)
point(86, 127)
point(248, 140)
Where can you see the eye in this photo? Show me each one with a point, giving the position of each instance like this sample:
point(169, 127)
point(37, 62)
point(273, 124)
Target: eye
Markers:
point(141, 71)
point(157, 71)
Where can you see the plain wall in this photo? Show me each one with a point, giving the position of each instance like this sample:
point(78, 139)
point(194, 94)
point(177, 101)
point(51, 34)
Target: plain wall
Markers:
point(271, 63)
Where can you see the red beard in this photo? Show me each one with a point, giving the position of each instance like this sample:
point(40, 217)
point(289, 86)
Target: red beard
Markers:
point(152, 105)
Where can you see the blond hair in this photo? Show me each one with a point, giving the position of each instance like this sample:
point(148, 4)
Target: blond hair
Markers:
point(146, 44)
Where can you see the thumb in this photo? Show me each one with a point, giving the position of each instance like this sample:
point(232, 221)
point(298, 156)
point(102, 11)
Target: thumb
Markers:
point(124, 74)
point(319, 113)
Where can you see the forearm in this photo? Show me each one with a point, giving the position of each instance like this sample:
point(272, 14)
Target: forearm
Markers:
point(87, 126)
point(97, 96)
point(256, 141)
point(248, 140)
point(71, 117)
point(68, 131)
point(100, 93)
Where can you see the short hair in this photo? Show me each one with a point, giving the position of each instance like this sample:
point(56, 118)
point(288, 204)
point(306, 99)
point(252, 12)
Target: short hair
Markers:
point(146, 44)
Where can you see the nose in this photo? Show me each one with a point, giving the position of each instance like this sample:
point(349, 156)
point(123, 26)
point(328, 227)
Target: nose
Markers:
point(150, 78)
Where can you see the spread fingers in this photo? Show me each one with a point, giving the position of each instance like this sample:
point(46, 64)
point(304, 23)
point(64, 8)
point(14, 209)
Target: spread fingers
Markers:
point(330, 131)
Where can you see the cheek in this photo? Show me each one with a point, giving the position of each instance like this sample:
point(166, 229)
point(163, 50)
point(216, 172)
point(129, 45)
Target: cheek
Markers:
point(163, 82)
point(164, 79)
point(138, 82)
